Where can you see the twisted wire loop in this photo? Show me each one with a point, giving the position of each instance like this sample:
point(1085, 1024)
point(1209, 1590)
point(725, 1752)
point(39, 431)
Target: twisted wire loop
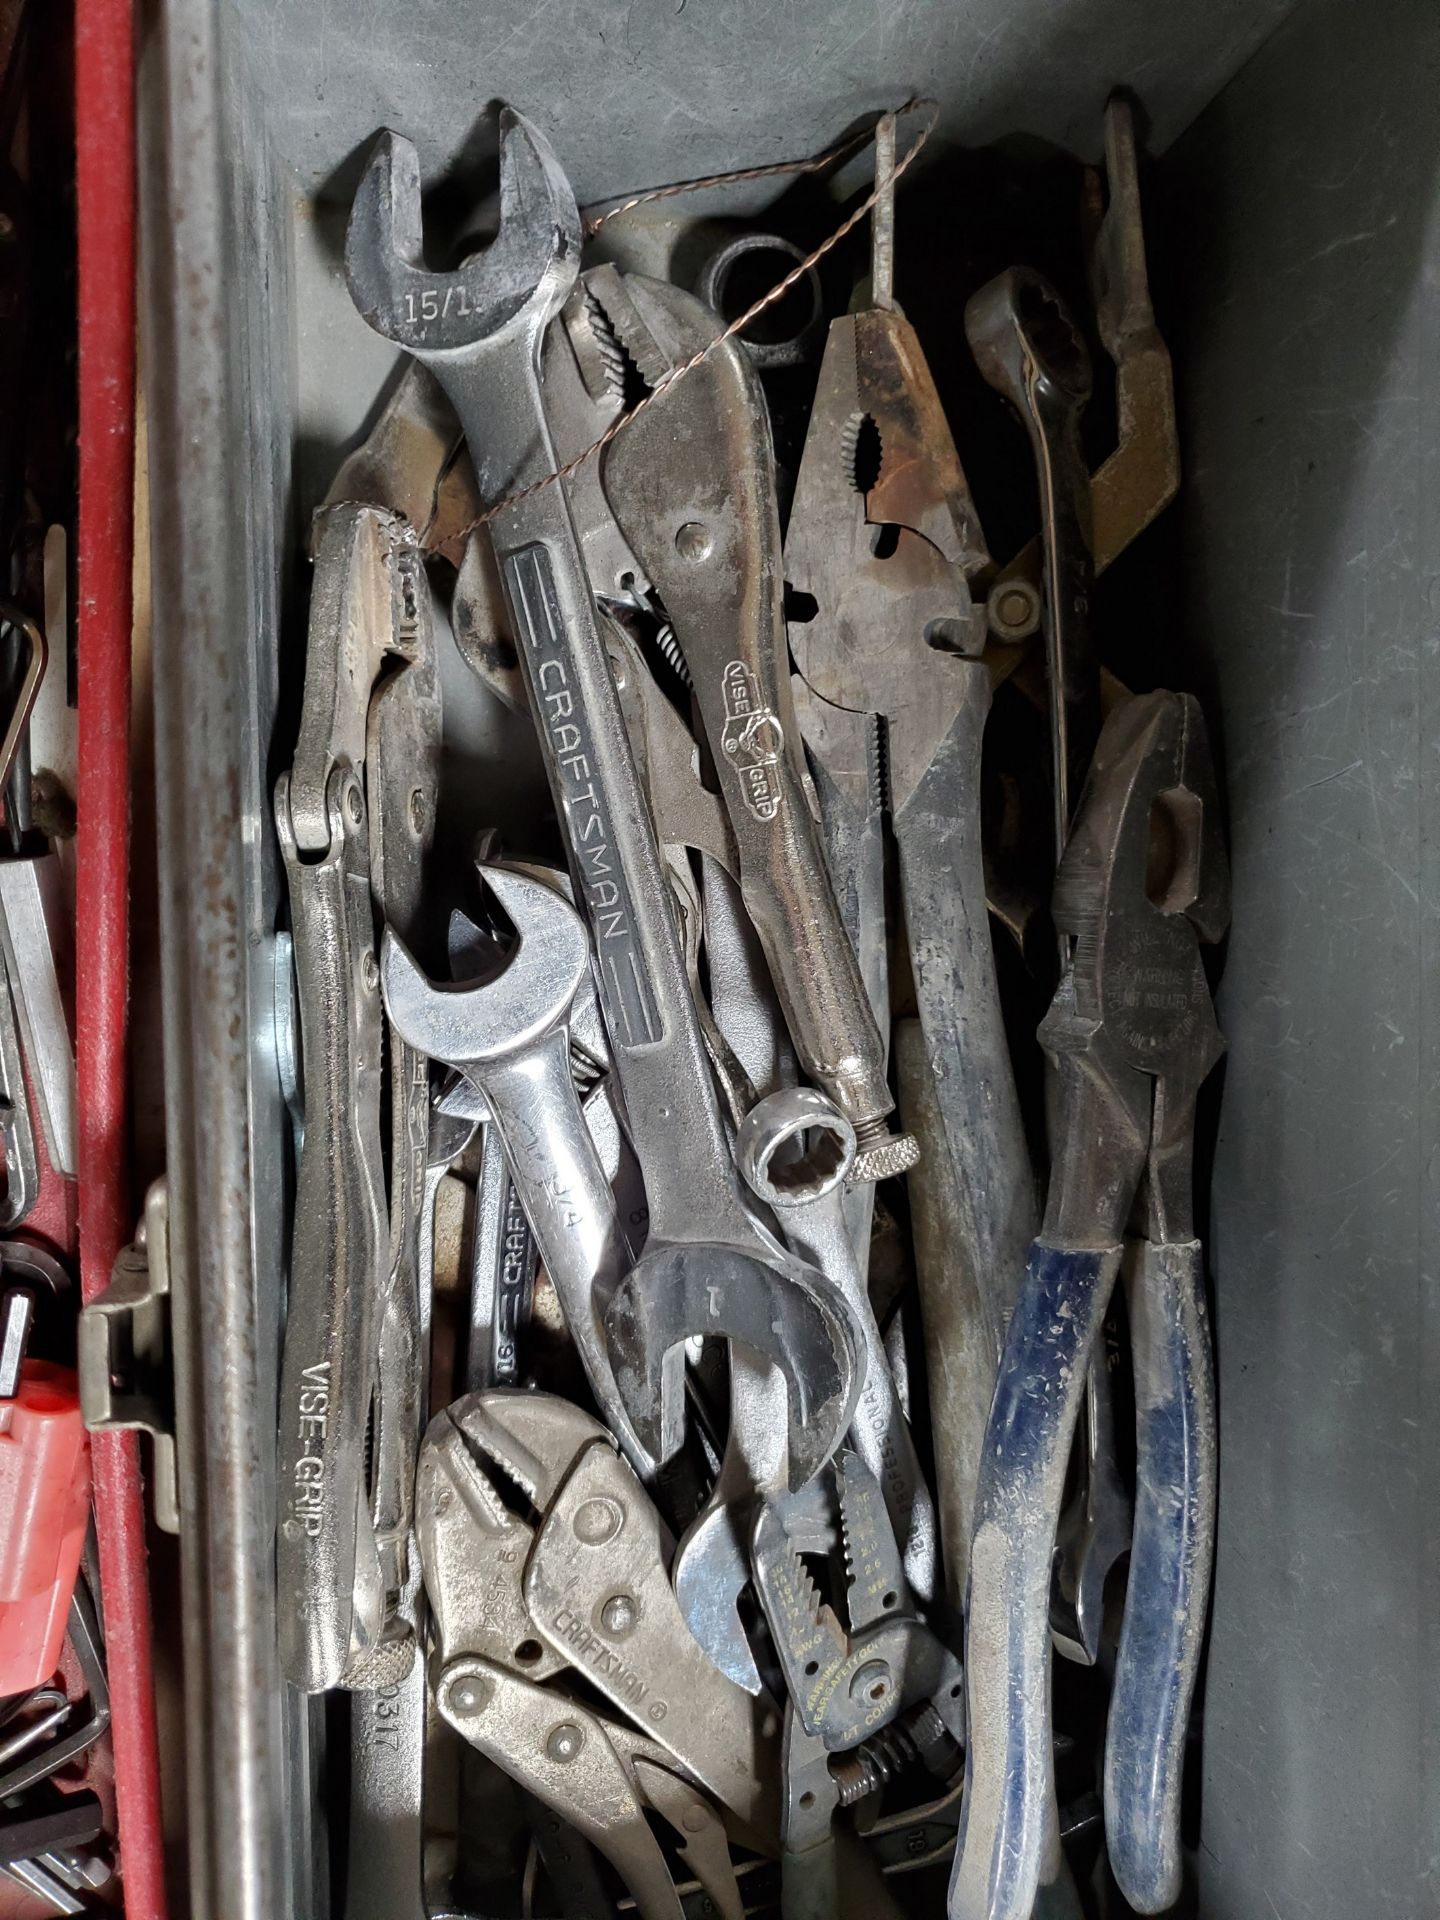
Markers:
point(883, 185)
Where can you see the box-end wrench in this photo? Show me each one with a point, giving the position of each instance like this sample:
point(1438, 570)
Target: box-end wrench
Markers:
point(1141, 477)
point(709, 1264)
point(1029, 349)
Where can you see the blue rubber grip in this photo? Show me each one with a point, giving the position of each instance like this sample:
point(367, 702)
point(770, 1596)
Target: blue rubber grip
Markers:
point(1170, 1561)
point(1009, 1819)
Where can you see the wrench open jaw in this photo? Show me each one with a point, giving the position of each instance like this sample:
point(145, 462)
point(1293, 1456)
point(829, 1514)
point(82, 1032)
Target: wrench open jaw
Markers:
point(776, 1309)
point(516, 282)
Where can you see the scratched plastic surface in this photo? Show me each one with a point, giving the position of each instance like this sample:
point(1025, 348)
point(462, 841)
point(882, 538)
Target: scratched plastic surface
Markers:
point(1170, 1560)
point(1010, 1819)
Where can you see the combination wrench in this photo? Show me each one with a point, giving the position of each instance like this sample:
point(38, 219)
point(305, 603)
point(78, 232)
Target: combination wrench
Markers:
point(710, 1264)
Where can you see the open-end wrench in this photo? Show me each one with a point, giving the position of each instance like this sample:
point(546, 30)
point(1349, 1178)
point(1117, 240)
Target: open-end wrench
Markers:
point(510, 1036)
point(709, 1264)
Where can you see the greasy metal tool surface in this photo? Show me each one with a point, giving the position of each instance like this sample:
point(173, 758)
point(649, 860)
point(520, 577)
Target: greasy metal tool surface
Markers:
point(961, 1347)
point(38, 940)
point(846, 1684)
point(481, 329)
point(388, 1724)
point(883, 542)
point(713, 1561)
point(402, 776)
point(1130, 1036)
point(368, 604)
point(1135, 483)
point(588, 1769)
point(580, 1582)
point(17, 1127)
point(692, 485)
point(846, 1681)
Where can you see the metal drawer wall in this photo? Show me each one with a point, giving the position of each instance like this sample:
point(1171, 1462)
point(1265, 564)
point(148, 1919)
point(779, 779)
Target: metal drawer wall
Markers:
point(1309, 619)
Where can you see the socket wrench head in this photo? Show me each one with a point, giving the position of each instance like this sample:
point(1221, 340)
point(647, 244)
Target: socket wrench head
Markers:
point(794, 1146)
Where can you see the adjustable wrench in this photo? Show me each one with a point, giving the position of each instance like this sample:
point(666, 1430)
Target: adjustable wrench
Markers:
point(710, 1264)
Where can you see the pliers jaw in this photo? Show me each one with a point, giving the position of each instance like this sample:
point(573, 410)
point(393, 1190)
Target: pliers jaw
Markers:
point(884, 540)
point(1131, 1033)
point(473, 1545)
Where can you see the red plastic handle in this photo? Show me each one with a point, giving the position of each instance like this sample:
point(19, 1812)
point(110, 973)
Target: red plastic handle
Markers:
point(45, 1501)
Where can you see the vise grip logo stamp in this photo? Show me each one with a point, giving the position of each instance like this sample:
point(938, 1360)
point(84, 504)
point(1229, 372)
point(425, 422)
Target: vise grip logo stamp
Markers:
point(753, 740)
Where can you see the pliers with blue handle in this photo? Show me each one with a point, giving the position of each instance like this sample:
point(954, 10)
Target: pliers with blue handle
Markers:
point(1129, 1038)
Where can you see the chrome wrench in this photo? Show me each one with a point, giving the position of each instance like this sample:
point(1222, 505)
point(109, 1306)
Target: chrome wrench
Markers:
point(708, 1259)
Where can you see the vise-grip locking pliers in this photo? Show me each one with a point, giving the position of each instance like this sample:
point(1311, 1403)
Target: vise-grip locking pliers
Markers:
point(354, 817)
point(1129, 1037)
point(691, 486)
point(576, 1581)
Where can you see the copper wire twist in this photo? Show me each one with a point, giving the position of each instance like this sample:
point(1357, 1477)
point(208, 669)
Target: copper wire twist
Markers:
point(853, 143)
